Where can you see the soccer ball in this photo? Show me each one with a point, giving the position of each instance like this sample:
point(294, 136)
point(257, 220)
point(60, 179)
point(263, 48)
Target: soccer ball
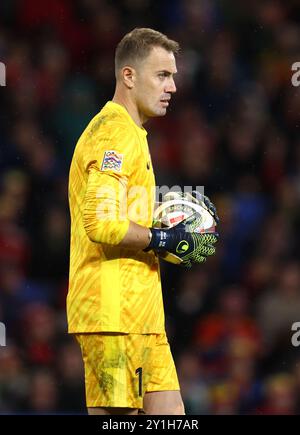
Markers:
point(178, 208)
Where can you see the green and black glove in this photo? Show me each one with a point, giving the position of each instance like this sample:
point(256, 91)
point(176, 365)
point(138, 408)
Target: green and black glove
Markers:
point(182, 244)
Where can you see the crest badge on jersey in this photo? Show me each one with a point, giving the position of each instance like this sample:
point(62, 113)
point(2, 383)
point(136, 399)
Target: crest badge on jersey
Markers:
point(112, 161)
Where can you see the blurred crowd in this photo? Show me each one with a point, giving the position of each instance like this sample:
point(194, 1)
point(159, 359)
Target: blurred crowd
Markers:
point(233, 127)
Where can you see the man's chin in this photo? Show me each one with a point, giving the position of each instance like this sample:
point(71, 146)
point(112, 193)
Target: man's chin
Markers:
point(161, 112)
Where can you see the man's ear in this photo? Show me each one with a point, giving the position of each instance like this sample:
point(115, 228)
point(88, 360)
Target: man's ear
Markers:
point(128, 75)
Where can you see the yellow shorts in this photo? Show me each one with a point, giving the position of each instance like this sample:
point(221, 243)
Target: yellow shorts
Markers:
point(121, 368)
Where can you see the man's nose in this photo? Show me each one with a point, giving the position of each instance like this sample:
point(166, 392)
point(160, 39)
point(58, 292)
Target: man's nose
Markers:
point(171, 87)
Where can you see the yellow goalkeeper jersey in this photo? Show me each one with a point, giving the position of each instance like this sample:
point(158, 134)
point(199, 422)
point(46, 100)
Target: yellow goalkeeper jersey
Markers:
point(111, 181)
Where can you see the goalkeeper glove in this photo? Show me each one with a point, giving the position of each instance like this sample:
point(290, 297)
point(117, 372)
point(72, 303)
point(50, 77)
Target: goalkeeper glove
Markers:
point(182, 243)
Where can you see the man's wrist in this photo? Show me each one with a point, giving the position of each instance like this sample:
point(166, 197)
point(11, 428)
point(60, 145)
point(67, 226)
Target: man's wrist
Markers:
point(148, 247)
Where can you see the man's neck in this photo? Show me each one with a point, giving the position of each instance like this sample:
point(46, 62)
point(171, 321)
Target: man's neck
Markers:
point(130, 107)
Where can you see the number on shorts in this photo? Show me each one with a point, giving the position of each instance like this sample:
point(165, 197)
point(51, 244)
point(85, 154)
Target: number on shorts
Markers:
point(139, 372)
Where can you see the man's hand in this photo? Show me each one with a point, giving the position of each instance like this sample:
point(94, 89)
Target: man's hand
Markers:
point(181, 242)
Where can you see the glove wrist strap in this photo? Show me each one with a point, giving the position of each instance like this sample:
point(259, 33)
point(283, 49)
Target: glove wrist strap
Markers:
point(158, 239)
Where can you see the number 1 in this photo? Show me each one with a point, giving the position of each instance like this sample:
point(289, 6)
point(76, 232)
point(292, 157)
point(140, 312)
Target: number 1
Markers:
point(139, 372)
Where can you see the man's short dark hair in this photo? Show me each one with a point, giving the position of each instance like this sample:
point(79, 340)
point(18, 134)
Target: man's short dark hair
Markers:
point(137, 44)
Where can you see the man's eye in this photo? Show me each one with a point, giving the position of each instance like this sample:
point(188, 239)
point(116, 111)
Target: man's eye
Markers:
point(162, 75)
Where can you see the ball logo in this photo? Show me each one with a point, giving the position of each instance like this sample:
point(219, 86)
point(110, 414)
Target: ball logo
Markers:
point(182, 247)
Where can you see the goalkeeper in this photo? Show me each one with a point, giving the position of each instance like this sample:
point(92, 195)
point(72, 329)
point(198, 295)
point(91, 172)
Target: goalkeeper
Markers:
point(114, 303)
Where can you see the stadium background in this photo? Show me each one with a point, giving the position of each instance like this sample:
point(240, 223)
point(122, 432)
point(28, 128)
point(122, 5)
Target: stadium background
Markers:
point(233, 127)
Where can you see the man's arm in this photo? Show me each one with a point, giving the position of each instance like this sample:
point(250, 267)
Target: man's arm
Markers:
point(105, 224)
point(105, 215)
point(137, 237)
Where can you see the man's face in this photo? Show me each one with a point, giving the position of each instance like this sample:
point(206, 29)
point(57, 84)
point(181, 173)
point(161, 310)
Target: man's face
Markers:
point(154, 83)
